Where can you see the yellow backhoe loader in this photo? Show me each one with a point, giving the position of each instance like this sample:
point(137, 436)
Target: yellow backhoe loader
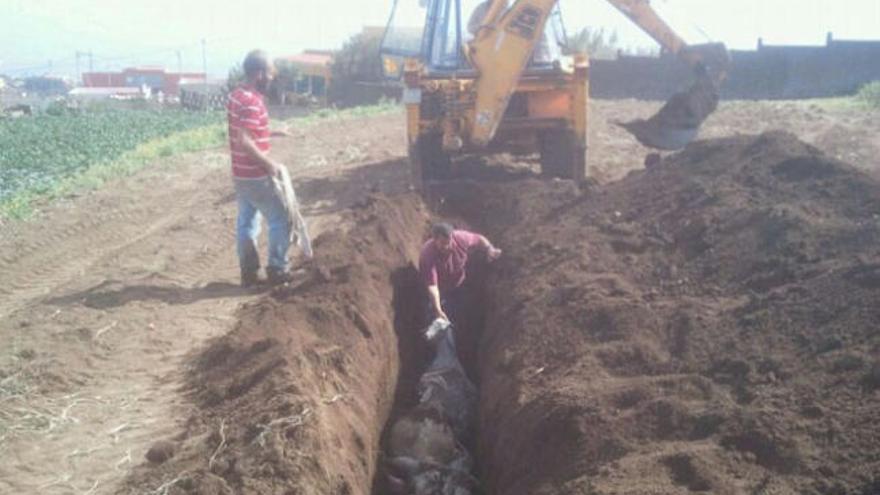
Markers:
point(490, 76)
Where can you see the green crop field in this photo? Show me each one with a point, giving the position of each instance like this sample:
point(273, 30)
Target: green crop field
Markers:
point(50, 156)
point(39, 153)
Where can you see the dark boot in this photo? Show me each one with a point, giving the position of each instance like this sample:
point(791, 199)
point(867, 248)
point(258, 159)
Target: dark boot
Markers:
point(249, 264)
point(278, 276)
point(249, 278)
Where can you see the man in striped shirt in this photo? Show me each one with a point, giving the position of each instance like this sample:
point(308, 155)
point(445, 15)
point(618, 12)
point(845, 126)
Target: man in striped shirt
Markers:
point(252, 171)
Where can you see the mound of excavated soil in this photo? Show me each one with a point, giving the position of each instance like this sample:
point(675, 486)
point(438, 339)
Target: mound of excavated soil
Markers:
point(707, 325)
point(293, 401)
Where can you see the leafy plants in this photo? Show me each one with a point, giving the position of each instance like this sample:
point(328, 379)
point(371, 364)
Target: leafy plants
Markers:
point(869, 94)
point(40, 155)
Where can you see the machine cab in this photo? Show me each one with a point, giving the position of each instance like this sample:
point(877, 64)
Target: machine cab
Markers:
point(437, 31)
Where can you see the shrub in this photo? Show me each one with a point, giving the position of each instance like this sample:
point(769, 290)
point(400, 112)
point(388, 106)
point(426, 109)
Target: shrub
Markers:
point(870, 94)
point(357, 71)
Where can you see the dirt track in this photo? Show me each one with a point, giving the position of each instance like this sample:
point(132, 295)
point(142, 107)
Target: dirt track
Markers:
point(109, 300)
point(105, 297)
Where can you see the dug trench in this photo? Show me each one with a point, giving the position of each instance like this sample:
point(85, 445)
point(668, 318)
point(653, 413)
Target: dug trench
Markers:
point(706, 325)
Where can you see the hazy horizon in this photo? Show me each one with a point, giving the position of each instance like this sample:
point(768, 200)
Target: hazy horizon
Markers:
point(44, 36)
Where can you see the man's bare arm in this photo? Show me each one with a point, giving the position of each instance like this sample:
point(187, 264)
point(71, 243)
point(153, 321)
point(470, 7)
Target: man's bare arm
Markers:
point(491, 250)
point(434, 292)
point(281, 131)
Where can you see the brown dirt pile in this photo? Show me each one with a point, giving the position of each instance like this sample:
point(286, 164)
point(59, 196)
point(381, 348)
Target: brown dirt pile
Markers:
point(708, 325)
point(293, 401)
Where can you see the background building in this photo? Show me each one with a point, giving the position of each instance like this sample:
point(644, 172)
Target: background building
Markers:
point(314, 68)
point(154, 78)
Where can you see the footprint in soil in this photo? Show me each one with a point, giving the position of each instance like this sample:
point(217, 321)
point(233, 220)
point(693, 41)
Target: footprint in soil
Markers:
point(871, 380)
point(770, 451)
point(161, 451)
point(695, 475)
point(865, 276)
point(737, 374)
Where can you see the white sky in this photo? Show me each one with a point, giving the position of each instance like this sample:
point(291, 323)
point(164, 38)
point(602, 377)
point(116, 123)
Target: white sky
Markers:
point(125, 33)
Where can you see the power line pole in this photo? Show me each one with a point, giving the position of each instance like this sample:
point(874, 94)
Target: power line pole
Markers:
point(80, 54)
point(179, 63)
point(205, 75)
point(204, 60)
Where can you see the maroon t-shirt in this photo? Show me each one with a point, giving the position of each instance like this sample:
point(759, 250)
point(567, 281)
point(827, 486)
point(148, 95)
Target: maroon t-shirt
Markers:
point(446, 269)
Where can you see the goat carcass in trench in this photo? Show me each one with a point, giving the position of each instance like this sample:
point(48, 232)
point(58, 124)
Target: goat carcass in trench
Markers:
point(444, 387)
point(426, 456)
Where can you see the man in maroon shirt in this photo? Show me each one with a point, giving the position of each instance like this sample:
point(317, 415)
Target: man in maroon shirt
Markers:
point(442, 266)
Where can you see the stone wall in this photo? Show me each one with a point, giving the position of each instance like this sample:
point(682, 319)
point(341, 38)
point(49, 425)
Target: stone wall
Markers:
point(770, 72)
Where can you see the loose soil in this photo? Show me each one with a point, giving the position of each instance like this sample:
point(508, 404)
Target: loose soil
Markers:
point(705, 325)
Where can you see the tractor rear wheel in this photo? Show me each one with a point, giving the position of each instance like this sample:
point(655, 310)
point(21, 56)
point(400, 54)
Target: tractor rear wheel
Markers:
point(427, 160)
point(562, 155)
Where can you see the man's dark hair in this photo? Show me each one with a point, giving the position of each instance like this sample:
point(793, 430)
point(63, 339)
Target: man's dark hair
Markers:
point(442, 229)
point(255, 62)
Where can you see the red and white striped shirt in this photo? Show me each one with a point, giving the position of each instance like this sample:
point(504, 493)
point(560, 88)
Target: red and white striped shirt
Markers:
point(247, 113)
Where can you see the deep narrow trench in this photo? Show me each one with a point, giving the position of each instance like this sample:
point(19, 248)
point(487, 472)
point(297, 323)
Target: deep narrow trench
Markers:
point(415, 354)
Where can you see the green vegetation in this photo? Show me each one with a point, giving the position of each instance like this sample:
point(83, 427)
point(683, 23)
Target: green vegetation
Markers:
point(48, 156)
point(869, 94)
point(384, 106)
point(44, 158)
point(285, 80)
point(867, 97)
point(355, 67)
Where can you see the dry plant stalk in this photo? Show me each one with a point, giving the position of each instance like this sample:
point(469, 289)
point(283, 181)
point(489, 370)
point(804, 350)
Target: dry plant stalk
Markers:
point(219, 447)
point(287, 422)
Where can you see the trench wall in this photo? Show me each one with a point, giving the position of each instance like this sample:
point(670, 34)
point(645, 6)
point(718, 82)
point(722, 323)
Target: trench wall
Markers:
point(294, 398)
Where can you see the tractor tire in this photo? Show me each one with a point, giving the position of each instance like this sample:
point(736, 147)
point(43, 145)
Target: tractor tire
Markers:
point(562, 156)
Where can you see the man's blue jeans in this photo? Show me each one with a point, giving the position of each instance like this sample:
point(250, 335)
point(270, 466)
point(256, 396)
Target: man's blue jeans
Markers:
point(256, 198)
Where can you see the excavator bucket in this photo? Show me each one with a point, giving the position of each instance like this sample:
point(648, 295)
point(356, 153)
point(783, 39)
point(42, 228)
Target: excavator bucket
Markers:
point(678, 121)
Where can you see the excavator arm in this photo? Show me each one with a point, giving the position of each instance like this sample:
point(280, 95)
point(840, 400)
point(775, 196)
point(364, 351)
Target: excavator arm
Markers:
point(711, 57)
point(678, 121)
point(500, 51)
point(507, 37)
point(644, 16)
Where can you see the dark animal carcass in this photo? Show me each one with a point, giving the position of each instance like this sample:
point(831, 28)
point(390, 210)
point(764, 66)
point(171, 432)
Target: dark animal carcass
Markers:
point(426, 455)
